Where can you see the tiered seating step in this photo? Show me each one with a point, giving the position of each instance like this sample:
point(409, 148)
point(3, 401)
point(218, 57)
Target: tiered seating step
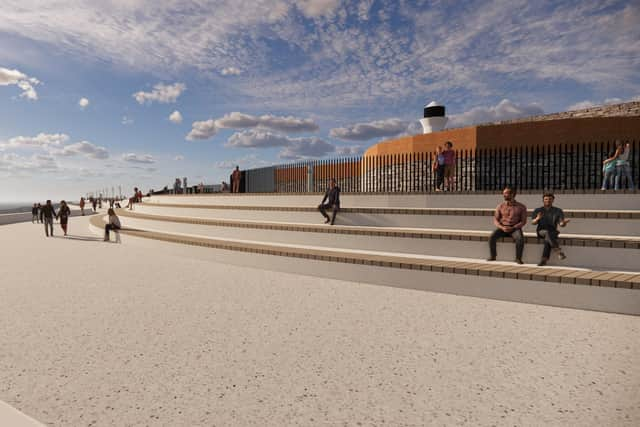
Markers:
point(575, 276)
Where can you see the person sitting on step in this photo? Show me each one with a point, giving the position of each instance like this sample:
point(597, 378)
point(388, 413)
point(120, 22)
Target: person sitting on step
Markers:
point(547, 218)
point(113, 224)
point(509, 218)
point(332, 197)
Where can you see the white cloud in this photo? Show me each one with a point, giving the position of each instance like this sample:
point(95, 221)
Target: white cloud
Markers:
point(178, 158)
point(257, 139)
point(366, 131)
point(236, 120)
point(306, 148)
point(42, 140)
point(84, 148)
point(230, 71)
point(83, 103)
point(161, 93)
point(202, 130)
point(336, 62)
point(350, 150)
point(176, 117)
point(24, 82)
point(504, 110)
point(126, 120)
point(317, 8)
point(16, 165)
point(294, 148)
point(138, 158)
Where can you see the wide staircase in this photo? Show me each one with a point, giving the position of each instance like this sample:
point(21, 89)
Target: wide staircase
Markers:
point(435, 242)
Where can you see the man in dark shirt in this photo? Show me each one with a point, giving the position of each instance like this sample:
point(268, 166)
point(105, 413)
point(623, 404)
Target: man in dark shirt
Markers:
point(547, 218)
point(48, 213)
point(332, 197)
point(509, 218)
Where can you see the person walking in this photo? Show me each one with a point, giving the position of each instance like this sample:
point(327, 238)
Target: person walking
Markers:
point(235, 180)
point(449, 166)
point(34, 214)
point(63, 215)
point(40, 217)
point(176, 186)
point(332, 197)
point(623, 167)
point(82, 205)
point(113, 224)
point(48, 213)
point(547, 218)
point(509, 218)
point(94, 203)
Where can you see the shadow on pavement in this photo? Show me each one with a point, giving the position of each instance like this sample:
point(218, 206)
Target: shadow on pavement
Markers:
point(85, 238)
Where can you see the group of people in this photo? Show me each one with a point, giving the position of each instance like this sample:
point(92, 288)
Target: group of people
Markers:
point(509, 218)
point(616, 169)
point(47, 213)
point(444, 166)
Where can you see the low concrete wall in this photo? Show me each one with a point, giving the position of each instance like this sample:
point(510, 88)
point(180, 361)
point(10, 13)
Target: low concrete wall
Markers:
point(606, 201)
point(13, 218)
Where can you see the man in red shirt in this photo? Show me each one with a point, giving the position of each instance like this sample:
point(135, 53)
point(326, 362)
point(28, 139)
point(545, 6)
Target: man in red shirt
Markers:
point(509, 218)
point(449, 165)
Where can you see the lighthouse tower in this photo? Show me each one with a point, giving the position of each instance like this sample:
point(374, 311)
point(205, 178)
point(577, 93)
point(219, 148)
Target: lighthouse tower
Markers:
point(434, 119)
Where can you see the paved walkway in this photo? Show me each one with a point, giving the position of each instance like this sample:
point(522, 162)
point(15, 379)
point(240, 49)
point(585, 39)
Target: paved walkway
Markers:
point(146, 333)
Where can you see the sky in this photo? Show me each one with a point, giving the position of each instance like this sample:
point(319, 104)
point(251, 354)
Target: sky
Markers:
point(127, 93)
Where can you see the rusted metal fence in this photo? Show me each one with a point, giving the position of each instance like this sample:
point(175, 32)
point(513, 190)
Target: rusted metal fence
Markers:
point(567, 167)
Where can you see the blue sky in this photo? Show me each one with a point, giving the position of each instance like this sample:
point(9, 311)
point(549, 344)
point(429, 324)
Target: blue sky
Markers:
point(138, 92)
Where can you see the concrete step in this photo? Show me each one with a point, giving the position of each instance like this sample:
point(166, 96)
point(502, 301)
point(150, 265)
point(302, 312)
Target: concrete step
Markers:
point(622, 200)
point(586, 251)
point(599, 222)
point(567, 287)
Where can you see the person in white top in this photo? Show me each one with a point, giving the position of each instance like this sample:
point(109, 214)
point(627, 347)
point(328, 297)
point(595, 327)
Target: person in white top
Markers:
point(623, 167)
point(113, 224)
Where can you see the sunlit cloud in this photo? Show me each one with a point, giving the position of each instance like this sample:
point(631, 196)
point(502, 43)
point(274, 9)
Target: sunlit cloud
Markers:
point(138, 158)
point(175, 117)
point(164, 94)
point(25, 83)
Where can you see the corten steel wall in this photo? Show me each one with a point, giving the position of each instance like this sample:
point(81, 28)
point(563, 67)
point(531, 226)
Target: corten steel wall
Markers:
point(565, 131)
point(463, 139)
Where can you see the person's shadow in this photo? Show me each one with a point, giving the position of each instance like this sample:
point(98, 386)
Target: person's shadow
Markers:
point(83, 238)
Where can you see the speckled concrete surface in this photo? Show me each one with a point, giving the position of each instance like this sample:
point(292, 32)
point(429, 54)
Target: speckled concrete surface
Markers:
point(146, 333)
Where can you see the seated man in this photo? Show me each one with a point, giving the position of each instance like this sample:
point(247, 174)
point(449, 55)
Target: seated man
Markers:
point(332, 196)
point(509, 218)
point(547, 218)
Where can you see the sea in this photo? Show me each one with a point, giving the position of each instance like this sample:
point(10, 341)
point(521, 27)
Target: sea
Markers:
point(7, 207)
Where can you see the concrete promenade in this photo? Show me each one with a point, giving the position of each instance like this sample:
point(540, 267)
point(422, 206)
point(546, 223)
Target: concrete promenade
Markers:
point(153, 333)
